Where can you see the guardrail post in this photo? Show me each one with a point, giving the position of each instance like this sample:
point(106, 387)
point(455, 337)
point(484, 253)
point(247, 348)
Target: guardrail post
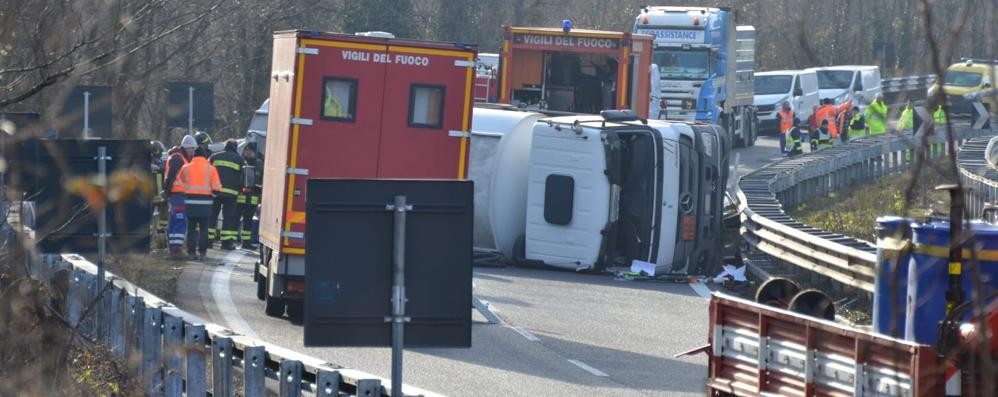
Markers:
point(254, 371)
point(327, 383)
point(134, 311)
point(74, 297)
point(221, 367)
point(173, 348)
point(290, 378)
point(152, 364)
point(368, 387)
point(88, 327)
point(116, 329)
point(194, 341)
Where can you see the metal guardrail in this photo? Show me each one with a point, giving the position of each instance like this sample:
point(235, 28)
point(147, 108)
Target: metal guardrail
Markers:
point(176, 353)
point(908, 83)
point(979, 179)
point(764, 193)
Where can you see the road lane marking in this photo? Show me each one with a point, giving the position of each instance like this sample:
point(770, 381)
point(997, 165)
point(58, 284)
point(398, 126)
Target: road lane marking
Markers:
point(223, 300)
point(526, 334)
point(486, 309)
point(588, 369)
point(701, 289)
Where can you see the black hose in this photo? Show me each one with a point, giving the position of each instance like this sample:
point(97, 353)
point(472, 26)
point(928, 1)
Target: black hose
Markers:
point(488, 259)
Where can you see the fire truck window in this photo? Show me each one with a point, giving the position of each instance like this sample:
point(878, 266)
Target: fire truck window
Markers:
point(426, 106)
point(339, 99)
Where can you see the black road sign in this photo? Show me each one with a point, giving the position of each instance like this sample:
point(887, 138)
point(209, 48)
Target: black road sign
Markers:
point(62, 174)
point(348, 266)
point(178, 104)
point(86, 104)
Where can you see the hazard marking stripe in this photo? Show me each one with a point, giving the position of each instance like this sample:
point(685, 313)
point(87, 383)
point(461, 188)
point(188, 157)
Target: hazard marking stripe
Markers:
point(295, 216)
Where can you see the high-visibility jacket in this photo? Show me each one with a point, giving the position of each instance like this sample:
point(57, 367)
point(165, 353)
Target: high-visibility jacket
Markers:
point(793, 140)
point(907, 120)
point(157, 174)
point(857, 125)
point(176, 161)
point(251, 194)
point(786, 120)
point(229, 165)
point(876, 117)
point(829, 112)
point(939, 116)
point(825, 137)
point(200, 181)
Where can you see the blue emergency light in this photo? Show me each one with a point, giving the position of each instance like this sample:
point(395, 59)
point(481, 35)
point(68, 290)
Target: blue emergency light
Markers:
point(566, 25)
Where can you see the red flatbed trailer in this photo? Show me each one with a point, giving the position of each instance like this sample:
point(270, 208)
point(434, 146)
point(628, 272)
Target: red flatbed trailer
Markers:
point(758, 350)
point(351, 106)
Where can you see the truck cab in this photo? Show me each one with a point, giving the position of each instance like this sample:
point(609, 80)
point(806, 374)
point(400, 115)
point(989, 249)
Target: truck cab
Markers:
point(705, 66)
point(605, 191)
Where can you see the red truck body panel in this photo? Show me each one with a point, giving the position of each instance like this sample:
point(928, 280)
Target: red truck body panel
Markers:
point(757, 350)
point(346, 106)
point(525, 51)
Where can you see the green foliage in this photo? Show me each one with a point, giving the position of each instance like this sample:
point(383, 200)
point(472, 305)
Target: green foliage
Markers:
point(853, 211)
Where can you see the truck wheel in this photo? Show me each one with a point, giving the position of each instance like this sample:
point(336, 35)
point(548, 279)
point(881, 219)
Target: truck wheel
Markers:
point(261, 288)
point(296, 312)
point(274, 307)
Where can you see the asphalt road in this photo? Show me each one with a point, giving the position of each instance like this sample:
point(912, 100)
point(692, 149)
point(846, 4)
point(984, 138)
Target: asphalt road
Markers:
point(561, 332)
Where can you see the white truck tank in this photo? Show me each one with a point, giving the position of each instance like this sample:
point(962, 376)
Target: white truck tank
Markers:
point(500, 137)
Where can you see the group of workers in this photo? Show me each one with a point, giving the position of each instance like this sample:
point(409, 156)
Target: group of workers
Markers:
point(197, 185)
point(829, 122)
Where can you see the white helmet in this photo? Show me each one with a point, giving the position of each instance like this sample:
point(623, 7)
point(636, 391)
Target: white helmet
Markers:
point(188, 142)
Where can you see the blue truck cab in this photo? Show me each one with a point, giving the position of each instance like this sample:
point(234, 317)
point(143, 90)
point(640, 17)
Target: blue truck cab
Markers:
point(704, 64)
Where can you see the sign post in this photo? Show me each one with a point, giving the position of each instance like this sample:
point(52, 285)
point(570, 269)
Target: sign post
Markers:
point(398, 318)
point(102, 236)
point(86, 114)
point(190, 110)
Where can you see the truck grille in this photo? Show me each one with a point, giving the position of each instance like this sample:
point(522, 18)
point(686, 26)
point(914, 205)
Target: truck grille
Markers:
point(765, 108)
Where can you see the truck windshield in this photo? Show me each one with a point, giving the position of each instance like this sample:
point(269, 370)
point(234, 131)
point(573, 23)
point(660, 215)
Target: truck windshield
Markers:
point(768, 85)
point(683, 64)
point(841, 79)
point(962, 79)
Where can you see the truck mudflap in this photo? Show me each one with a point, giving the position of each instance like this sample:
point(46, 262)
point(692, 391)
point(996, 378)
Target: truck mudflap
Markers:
point(757, 350)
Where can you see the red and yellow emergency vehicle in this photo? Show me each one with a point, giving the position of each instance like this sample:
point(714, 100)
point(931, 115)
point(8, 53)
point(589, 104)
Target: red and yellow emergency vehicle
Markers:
point(575, 70)
point(353, 106)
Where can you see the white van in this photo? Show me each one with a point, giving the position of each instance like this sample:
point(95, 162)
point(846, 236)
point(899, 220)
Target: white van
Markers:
point(799, 87)
point(861, 84)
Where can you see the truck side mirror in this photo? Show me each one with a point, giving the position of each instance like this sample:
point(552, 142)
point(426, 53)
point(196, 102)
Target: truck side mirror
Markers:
point(798, 92)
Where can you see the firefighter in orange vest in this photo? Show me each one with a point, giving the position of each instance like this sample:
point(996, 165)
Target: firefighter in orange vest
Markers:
point(829, 112)
point(200, 181)
point(174, 193)
point(786, 117)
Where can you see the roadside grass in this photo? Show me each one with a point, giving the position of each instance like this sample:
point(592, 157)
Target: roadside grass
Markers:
point(155, 272)
point(854, 211)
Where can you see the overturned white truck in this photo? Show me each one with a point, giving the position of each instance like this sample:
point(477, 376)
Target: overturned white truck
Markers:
point(591, 192)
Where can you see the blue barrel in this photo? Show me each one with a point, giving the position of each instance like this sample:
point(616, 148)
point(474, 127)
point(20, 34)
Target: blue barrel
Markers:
point(928, 275)
point(891, 283)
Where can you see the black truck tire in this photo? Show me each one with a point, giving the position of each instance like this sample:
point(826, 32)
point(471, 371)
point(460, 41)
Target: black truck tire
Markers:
point(261, 288)
point(274, 307)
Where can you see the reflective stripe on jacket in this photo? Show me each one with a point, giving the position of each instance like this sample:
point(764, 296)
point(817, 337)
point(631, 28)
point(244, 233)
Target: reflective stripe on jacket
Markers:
point(199, 180)
point(229, 166)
